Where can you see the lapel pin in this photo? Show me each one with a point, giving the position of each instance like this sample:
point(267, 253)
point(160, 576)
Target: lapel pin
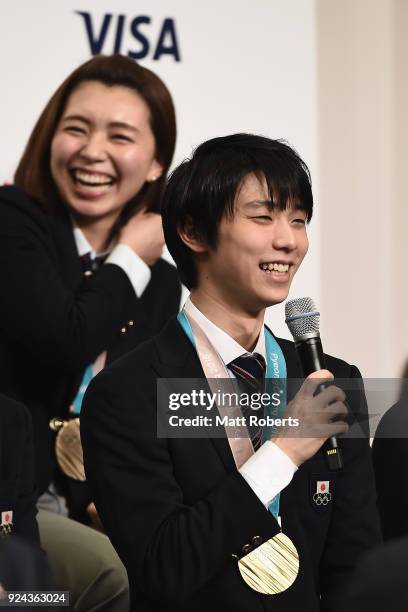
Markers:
point(322, 495)
point(6, 522)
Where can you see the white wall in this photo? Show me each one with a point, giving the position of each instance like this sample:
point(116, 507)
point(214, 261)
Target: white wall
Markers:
point(363, 132)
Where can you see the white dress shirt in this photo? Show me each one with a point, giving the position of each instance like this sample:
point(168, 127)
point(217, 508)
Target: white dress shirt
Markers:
point(123, 256)
point(269, 470)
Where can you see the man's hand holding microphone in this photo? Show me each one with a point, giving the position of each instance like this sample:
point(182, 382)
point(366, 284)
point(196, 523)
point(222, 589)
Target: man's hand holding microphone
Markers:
point(320, 417)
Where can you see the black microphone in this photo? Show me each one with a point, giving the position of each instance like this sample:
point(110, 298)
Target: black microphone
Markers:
point(303, 320)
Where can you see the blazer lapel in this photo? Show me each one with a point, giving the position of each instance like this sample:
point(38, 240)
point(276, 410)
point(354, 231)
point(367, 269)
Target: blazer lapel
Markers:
point(177, 358)
point(68, 258)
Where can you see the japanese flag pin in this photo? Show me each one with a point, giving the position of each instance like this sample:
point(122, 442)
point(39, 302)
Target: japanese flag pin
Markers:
point(6, 522)
point(323, 486)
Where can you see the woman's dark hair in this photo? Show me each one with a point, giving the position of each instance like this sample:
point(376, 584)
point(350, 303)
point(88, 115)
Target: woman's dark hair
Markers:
point(33, 173)
point(202, 189)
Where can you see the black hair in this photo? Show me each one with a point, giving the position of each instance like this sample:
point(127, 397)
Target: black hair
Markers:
point(202, 189)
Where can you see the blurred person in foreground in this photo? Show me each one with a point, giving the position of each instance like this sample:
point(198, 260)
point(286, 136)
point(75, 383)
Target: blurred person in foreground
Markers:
point(23, 565)
point(82, 281)
point(390, 457)
point(205, 522)
point(380, 580)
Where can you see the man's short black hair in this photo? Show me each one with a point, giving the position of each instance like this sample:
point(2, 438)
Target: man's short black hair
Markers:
point(202, 189)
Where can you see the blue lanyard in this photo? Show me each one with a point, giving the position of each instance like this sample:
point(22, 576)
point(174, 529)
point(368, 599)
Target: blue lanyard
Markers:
point(86, 379)
point(275, 383)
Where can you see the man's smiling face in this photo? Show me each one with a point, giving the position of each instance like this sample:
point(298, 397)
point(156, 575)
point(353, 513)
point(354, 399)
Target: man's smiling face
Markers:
point(259, 250)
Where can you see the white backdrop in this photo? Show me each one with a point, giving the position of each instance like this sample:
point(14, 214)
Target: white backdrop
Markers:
point(243, 67)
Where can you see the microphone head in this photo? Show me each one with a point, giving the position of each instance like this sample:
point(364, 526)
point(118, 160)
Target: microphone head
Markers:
point(302, 318)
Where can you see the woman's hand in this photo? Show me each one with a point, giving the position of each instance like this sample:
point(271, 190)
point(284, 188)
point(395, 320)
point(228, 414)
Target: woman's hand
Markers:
point(144, 234)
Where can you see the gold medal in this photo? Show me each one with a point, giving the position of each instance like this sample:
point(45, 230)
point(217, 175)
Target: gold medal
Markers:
point(68, 447)
point(271, 568)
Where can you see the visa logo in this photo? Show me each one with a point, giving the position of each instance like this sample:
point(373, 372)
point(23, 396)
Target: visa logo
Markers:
point(166, 44)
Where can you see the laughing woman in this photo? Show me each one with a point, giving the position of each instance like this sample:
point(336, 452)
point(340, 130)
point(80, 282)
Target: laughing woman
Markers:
point(81, 279)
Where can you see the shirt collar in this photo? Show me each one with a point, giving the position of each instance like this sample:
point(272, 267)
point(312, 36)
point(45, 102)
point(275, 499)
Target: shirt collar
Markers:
point(83, 245)
point(227, 348)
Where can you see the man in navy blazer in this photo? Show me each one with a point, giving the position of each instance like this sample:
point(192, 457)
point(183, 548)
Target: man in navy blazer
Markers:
point(178, 510)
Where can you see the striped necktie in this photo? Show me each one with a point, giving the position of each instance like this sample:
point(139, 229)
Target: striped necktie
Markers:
point(89, 264)
point(250, 370)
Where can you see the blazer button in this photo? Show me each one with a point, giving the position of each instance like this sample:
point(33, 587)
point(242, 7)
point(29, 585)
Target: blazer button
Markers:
point(131, 323)
point(246, 549)
point(123, 330)
point(88, 273)
point(257, 540)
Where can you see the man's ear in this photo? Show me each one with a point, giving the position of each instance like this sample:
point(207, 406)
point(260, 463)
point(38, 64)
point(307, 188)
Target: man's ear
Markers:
point(190, 238)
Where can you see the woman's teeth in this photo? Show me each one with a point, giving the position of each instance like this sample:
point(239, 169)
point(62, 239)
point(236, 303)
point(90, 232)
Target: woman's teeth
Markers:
point(275, 267)
point(92, 180)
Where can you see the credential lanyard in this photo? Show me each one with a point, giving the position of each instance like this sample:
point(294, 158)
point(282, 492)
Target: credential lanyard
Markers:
point(275, 384)
point(90, 372)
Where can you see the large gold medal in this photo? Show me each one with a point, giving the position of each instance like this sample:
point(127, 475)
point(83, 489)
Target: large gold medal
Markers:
point(68, 447)
point(271, 568)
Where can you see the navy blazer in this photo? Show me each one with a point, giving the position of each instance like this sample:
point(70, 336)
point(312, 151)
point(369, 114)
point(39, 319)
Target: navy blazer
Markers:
point(177, 510)
point(54, 321)
point(18, 492)
point(390, 459)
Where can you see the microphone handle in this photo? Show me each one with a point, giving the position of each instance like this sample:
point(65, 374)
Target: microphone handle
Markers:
point(310, 354)
point(311, 359)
